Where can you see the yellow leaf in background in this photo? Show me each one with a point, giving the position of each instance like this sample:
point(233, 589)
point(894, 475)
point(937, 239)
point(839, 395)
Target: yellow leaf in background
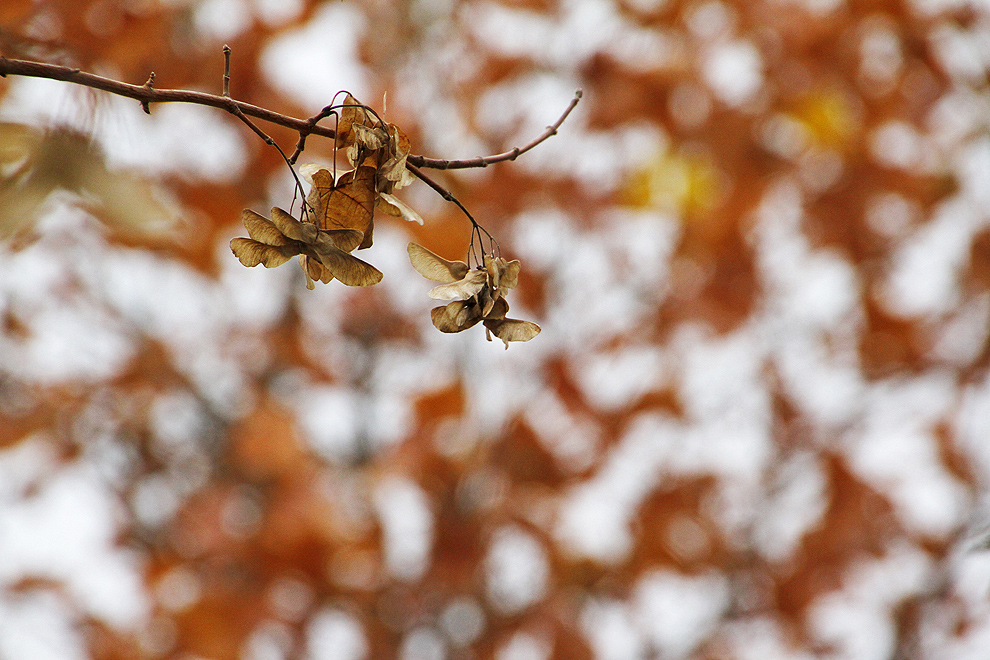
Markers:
point(829, 116)
point(36, 162)
point(675, 183)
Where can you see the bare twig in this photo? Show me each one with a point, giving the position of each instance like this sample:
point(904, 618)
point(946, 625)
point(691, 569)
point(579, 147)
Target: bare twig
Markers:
point(226, 70)
point(485, 161)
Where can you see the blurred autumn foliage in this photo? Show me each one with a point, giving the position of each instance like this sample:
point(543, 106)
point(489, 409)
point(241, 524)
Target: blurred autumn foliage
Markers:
point(756, 423)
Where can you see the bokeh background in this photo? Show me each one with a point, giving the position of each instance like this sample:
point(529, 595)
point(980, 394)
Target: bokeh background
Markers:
point(756, 425)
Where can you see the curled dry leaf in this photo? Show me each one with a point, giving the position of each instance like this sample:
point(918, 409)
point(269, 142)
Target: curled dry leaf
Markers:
point(352, 112)
point(369, 138)
point(469, 285)
point(393, 172)
point(502, 275)
point(345, 239)
point(349, 269)
point(456, 317)
point(434, 267)
point(495, 309)
point(392, 205)
point(251, 253)
point(314, 271)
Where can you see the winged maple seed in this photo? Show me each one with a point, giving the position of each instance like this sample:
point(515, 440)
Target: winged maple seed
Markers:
point(324, 253)
point(478, 294)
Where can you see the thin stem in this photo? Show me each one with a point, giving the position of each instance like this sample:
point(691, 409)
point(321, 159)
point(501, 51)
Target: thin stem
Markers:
point(311, 123)
point(485, 161)
point(440, 190)
point(234, 110)
point(476, 228)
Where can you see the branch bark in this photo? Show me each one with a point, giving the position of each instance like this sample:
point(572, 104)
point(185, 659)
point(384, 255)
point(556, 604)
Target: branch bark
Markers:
point(146, 95)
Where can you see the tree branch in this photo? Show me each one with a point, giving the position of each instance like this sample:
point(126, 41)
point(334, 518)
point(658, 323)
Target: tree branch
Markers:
point(146, 95)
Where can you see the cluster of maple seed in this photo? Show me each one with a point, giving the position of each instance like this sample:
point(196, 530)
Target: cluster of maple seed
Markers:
point(338, 217)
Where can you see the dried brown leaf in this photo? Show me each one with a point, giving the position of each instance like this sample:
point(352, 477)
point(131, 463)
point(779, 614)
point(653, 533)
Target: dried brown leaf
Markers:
point(502, 275)
point(368, 137)
point(345, 239)
point(314, 270)
point(352, 112)
point(393, 172)
point(509, 274)
point(368, 233)
point(498, 309)
point(348, 204)
point(434, 267)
